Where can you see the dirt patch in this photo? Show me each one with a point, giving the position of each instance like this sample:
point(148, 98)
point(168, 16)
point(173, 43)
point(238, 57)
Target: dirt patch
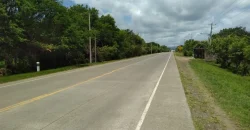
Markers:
point(205, 113)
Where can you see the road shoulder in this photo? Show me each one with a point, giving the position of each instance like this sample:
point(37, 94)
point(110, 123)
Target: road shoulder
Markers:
point(205, 113)
point(169, 109)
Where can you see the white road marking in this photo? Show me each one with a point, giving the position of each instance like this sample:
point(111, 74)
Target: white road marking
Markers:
point(138, 127)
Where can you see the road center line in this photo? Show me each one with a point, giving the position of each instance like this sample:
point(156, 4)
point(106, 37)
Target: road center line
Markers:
point(138, 127)
point(58, 73)
point(63, 89)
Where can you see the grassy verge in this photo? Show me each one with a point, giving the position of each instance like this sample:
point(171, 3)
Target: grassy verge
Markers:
point(231, 91)
point(16, 77)
point(11, 78)
point(199, 99)
point(178, 53)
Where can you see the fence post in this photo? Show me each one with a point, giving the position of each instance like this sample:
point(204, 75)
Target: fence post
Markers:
point(37, 66)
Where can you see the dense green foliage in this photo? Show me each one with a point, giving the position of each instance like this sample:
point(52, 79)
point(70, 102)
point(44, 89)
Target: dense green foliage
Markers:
point(230, 46)
point(179, 48)
point(190, 45)
point(231, 91)
point(46, 31)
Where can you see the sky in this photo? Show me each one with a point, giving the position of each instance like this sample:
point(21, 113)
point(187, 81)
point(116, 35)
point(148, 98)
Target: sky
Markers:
point(170, 22)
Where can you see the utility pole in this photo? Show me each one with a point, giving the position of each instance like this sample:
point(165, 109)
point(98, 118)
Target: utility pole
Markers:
point(95, 49)
point(159, 48)
point(90, 50)
point(211, 32)
point(151, 47)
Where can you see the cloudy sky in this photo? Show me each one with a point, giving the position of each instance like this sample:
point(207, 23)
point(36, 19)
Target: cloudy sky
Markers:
point(169, 22)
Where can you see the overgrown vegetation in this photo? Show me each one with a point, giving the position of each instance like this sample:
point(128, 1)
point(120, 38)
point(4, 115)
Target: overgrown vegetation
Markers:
point(1, 64)
point(190, 45)
point(179, 49)
point(230, 91)
point(46, 31)
point(230, 46)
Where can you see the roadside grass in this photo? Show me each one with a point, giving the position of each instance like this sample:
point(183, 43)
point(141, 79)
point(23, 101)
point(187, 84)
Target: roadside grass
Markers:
point(16, 77)
point(199, 99)
point(5, 79)
point(231, 91)
point(178, 53)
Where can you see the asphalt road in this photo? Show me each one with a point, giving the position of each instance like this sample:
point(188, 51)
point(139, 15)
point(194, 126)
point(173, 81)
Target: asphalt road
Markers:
point(139, 93)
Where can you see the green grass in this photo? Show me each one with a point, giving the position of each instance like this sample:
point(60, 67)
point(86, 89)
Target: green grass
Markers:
point(231, 91)
point(10, 78)
point(178, 53)
point(199, 99)
point(16, 77)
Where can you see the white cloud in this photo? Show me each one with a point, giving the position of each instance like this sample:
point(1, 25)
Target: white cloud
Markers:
point(169, 22)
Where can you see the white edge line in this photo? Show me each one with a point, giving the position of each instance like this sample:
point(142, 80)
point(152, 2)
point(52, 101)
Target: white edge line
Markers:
point(62, 73)
point(138, 127)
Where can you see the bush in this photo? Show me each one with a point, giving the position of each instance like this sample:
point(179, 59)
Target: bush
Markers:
point(188, 53)
point(3, 72)
point(188, 47)
point(107, 53)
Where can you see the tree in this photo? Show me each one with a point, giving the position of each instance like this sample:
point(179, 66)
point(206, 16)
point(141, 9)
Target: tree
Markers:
point(246, 61)
point(236, 51)
point(188, 47)
point(231, 47)
point(179, 48)
point(46, 31)
point(107, 30)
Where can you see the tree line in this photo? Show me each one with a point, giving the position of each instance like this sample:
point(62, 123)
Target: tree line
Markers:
point(57, 36)
point(231, 47)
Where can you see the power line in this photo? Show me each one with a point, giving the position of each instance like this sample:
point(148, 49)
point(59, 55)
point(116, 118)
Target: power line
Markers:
point(226, 12)
point(228, 8)
point(238, 15)
point(242, 11)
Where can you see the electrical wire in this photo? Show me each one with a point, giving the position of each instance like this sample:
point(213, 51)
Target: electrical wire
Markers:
point(226, 12)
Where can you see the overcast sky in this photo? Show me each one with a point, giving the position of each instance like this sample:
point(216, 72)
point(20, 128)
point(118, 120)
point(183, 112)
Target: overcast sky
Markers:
point(169, 22)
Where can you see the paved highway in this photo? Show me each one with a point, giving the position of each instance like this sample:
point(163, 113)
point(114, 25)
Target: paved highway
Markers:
point(138, 93)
